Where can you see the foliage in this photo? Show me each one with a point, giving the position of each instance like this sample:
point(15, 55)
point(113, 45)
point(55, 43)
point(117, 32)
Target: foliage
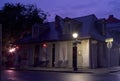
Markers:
point(16, 18)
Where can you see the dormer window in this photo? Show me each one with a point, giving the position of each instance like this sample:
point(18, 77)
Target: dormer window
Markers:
point(100, 26)
point(65, 27)
point(71, 26)
point(35, 31)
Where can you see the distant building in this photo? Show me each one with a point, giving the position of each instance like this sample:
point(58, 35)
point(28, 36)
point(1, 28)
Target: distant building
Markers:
point(113, 28)
point(51, 44)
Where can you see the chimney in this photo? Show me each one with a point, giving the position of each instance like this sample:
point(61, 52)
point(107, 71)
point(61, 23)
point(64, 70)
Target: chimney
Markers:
point(111, 16)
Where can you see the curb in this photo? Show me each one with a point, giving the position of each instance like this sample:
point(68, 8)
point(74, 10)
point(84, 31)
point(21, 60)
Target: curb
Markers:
point(61, 71)
point(66, 71)
point(114, 71)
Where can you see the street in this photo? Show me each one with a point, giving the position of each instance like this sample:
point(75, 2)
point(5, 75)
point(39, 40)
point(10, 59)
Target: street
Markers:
point(12, 75)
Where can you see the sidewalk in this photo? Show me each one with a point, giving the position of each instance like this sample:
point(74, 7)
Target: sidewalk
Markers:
point(70, 70)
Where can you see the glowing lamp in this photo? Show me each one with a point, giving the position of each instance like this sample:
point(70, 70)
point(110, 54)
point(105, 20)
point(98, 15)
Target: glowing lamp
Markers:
point(44, 45)
point(11, 50)
point(75, 35)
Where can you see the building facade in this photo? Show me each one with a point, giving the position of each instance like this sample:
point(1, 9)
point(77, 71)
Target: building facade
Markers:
point(113, 28)
point(0, 44)
point(51, 44)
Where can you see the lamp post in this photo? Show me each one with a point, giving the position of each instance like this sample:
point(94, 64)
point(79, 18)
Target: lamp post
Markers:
point(75, 35)
point(109, 46)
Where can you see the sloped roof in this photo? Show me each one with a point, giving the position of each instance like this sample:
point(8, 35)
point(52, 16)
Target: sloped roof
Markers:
point(112, 19)
point(49, 35)
point(87, 30)
point(113, 27)
point(87, 24)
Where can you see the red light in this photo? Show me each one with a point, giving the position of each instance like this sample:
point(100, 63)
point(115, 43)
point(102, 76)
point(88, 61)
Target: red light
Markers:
point(44, 45)
point(17, 47)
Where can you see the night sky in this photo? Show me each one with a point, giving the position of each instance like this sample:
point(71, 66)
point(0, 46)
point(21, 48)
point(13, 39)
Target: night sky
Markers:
point(74, 8)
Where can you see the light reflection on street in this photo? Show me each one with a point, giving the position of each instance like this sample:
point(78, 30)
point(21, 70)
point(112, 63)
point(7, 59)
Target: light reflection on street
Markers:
point(79, 77)
point(10, 71)
point(11, 75)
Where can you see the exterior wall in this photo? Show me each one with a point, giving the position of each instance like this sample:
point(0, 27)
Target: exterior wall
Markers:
point(30, 50)
point(82, 54)
point(63, 54)
point(56, 54)
point(90, 54)
point(25, 56)
point(114, 56)
point(85, 53)
point(99, 55)
point(93, 53)
point(49, 54)
point(114, 52)
point(30, 55)
point(70, 52)
point(79, 55)
point(102, 55)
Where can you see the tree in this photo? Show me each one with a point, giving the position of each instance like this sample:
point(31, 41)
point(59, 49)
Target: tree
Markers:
point(16, 18)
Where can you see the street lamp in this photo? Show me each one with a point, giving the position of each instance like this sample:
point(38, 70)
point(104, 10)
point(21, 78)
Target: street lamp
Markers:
point(75, 35)
point(109, 46)
point(11, 50)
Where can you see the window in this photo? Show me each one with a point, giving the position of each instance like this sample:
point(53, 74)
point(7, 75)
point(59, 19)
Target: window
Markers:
point(71, 27)
point(100, 27)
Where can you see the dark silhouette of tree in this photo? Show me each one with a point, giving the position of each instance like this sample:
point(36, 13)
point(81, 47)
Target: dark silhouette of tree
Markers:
point(16, 18)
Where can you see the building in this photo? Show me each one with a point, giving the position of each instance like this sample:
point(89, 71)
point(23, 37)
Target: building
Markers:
point(113, 28)
point(51, 44)
point(0, 44)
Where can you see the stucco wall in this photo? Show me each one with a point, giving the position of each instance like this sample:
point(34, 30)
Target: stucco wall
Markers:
point(79, 55)
point(69, 53)
point(114, 56)
point(63, 52)
point(85, 52)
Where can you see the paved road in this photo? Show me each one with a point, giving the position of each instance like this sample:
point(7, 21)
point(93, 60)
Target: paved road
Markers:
point(12, 75)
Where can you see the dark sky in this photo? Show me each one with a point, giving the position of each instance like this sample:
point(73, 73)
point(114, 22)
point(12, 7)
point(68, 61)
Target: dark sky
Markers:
point(74, 8)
